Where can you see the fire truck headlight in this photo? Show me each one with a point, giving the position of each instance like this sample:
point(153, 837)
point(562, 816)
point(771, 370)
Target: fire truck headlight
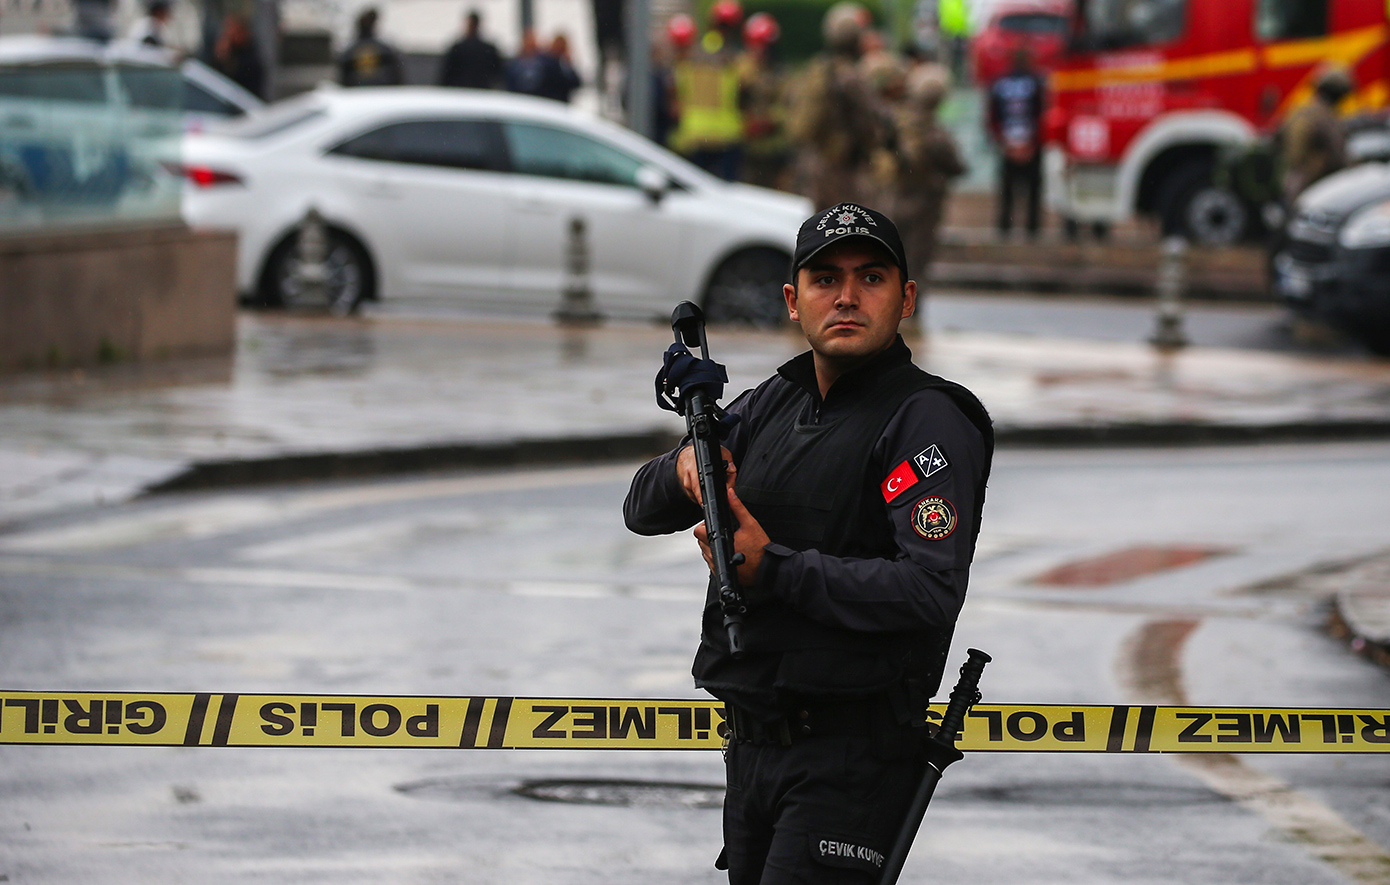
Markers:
point(1367, 228)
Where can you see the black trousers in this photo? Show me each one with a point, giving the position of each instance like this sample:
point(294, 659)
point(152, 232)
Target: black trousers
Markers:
point(823, 811)
point(1024, 177)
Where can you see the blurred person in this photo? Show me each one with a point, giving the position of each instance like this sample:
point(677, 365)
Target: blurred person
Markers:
point(831, 120)
point(680, 37)
point(236, 56)
point(370, 61)
point(527, 71)
point(1311, 141)
point(885, 74)
point(927, 161)
point(152, 28)
point(472, 62)
point(710, 96)
point(953, 19)
point(1016, 104)
point(93, 19)
point(766, 150)
point(561, 79)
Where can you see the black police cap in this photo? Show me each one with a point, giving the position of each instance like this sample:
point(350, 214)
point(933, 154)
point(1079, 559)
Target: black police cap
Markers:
point(842, 222)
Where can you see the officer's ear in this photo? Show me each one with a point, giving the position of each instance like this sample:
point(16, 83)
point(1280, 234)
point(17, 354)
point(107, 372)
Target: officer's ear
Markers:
point(909, 298)
point(789, 294)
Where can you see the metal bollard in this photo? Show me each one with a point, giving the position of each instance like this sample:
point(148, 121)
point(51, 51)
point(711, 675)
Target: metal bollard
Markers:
point(1172, 284)
point(577, 298)
point(311, 250)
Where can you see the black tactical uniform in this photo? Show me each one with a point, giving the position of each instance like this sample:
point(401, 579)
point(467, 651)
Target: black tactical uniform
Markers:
point(872, 501)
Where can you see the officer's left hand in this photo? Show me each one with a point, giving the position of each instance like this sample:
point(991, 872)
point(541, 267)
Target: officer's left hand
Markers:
point(749, 539)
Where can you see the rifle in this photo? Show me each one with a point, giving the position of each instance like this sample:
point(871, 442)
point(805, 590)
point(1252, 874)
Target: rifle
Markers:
point(691, 388)
point(941, 751)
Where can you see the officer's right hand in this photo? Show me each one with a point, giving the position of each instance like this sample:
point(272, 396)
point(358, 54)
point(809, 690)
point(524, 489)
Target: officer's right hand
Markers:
point(689, 474)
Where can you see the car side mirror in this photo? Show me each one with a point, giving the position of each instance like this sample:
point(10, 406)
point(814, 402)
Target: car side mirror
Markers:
point(653, 182)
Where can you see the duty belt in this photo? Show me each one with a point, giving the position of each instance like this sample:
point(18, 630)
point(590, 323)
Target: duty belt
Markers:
point(811, 718)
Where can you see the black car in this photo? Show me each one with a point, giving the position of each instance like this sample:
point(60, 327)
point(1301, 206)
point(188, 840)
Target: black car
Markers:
point(1334, 262)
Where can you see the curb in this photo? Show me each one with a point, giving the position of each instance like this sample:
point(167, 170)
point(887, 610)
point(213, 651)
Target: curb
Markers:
point(233, 473)
point(309, 466)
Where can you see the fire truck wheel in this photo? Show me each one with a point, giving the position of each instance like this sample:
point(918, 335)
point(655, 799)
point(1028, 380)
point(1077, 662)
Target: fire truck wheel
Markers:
point(1203, 212)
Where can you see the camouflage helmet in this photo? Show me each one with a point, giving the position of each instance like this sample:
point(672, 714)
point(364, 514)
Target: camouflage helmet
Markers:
point(928, 84)
point(885, 72)
point(1333, 82)
point(842, 25)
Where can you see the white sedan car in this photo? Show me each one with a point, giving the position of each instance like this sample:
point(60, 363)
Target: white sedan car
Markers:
point(476, 196)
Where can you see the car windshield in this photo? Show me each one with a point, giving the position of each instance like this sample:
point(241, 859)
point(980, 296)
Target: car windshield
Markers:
point(1033, 23)
point(1111, 24)
point(275, 120)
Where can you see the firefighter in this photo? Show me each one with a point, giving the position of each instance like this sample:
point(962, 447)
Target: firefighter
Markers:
point(709, 96)
point(927, 161)
point(766, 151)
point(831, 122)
point(1311, 141)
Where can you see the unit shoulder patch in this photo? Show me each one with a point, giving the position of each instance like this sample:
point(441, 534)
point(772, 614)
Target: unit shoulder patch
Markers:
point(930, 461)
point(934, 518)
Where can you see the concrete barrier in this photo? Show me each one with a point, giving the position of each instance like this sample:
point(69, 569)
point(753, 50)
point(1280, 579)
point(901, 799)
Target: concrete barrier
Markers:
point(83, 298)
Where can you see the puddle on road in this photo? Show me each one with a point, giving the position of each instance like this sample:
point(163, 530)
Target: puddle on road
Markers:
point(573, 791)
point(1090, 795)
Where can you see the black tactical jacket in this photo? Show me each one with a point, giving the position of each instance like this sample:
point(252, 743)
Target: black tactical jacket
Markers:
point(872, 499)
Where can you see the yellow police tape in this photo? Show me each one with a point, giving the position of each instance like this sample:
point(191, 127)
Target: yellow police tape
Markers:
point(502, 723)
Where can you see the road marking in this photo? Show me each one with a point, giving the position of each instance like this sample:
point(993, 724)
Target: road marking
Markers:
point(1151, 668)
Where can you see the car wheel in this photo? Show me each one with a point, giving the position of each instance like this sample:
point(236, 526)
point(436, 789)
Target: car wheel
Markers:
point(348, 280)
point(1202, 211)
point(747, 288)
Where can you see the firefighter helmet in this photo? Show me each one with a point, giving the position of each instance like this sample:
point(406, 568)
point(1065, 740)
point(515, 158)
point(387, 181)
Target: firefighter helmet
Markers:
point(680, 30)
point(761, 30)
point(726, 14)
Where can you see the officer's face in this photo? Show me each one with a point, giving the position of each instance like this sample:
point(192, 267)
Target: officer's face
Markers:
point(849, 300)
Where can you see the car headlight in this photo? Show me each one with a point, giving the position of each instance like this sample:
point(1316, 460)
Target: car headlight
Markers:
point(1367, 228)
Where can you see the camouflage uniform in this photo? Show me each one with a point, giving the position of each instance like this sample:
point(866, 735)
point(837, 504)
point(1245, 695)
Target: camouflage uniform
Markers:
point(1312, 143)
point(926, 162)
point(832, 122)
point(835, 129)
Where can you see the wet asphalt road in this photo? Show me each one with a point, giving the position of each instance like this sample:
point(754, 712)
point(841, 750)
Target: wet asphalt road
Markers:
point(526, 583)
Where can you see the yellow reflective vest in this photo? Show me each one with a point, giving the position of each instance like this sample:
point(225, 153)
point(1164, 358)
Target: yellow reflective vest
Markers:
point(708, 89)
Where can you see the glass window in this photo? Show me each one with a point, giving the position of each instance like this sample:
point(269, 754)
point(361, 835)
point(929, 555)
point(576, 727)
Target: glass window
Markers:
point(457, 144)
point(1290, 19)
point(151, 87)
point(1112, 24)
point(561, 153)
point(199, 100)
point(279, 117)
point(66, 83)
point(1033, 23)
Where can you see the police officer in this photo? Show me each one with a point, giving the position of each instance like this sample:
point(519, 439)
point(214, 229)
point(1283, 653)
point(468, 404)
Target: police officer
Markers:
point(370, 61)
point(856, 482)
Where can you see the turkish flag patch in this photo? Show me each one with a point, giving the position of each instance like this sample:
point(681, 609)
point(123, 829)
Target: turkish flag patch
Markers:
point(900, 480)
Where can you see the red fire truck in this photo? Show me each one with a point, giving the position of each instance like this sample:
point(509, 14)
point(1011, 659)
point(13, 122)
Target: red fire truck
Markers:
point(1149, 93)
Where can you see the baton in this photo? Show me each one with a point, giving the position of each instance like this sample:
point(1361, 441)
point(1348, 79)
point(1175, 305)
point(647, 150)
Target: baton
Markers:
point(941, 751)
point(705, 424)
